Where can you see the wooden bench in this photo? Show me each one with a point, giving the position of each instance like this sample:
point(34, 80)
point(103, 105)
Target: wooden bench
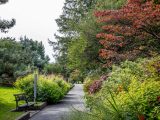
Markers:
point(22, 97)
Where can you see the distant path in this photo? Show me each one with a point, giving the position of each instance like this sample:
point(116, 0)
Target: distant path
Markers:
point(74, 99)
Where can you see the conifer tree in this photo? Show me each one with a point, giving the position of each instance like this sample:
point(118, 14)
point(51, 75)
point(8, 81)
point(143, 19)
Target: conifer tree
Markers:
point(5, 24)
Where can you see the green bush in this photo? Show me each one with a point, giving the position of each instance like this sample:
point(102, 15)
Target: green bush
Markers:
point(141, 99)
point(50, 89)
point(87, 84)
point(132, 92)
point(26, 85)
point(62, 84)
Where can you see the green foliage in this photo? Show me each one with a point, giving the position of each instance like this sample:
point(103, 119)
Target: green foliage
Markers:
point(76, 77)
point(80, 115)
point(53, 68)
point(49, 91)
point(49, 88)
point(73, 12)
point(141, 99)
point(153, 67)
point(36, 50)
point(110, 4)
point(75, 54)
point(20, 58)
point(14, 61)
point(131, 80)
point(7, 103)
point(62, 84)
point(132, 91)
point(78, 47)
point(87, 84)
point(122, 75)
point(88, 27)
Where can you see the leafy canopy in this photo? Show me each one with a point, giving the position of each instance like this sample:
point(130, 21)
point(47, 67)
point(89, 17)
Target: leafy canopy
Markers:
point(130, 31)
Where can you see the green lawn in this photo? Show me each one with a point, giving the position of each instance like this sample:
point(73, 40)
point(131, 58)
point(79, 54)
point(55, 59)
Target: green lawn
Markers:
point(7, 103)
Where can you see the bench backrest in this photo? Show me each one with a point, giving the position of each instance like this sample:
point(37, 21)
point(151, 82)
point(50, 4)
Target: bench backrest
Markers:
point(19, 97)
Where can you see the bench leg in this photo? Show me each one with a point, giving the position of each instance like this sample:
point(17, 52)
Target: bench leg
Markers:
point(16, 105)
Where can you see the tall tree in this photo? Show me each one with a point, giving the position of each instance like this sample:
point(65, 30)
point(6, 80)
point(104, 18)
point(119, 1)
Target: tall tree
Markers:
point(36, 50)
point(130, 31)
point(14, 60)
point(73, 12)
point(77, 24)
point(17, 58)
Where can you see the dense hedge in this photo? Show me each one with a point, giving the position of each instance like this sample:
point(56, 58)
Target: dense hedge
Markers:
point(49, 88)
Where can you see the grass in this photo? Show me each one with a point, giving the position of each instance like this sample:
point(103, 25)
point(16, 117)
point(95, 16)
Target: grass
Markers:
point(7, 103)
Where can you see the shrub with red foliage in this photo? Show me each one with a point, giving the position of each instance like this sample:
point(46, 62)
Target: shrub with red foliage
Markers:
point(137, 21)
point(97, 84)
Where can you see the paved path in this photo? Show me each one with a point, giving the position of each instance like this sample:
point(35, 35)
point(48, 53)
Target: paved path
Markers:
point(74, 99)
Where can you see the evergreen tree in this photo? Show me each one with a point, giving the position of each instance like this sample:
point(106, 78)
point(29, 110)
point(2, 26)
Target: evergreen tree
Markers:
point(14, 60)
point(18, 58)
point(36, 50)
point(5, 24)
point(73, 13)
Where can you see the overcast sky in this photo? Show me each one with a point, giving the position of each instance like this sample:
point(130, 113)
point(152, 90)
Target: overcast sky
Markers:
point(34, 18)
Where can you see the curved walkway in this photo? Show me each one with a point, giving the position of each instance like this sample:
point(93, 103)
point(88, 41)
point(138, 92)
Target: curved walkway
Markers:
point(74, 99)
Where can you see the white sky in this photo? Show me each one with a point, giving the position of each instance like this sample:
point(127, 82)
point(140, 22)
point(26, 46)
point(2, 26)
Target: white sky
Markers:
point(34, 18)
